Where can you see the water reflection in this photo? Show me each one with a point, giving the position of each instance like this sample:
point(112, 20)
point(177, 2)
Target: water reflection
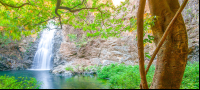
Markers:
point(50, 81)
point(83, 82)
point(45, 78)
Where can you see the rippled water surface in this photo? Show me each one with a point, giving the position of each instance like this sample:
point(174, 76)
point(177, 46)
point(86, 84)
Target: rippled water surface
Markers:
point(51, 81)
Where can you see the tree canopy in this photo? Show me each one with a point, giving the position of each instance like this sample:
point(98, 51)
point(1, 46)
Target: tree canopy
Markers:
point(25, 17)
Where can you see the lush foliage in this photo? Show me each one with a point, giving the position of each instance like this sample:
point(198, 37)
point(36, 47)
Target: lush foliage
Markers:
point(191, 76)
point(26, 20)
point(7, 82)
point(32, 18)
point(69, 68)
point(124, 77)
point(72, 37)
point(128, 77)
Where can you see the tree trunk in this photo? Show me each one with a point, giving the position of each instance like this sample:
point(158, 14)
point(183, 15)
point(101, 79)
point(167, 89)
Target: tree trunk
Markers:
point(172, 56)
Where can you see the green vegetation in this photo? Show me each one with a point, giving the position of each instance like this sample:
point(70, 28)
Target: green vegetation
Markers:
point(69, 68)
point(79, 43)
point(26, 20)
point(72, 37)
point(18, 22)
point(128, 77)
point(191, 76)
point(124, 77)
point(93, 68)
point(82, 41)
point(7, 82)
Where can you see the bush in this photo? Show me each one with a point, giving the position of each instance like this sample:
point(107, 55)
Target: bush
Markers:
point(122, 76)
point(69, 69)
point(128, 77)
point(82, 41)
point(7, 82)
point(72, 37)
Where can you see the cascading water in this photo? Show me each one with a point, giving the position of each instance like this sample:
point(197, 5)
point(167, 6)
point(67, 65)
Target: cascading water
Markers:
point(43, 55)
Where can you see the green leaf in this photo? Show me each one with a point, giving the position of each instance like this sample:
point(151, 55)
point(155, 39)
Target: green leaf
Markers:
point(147, 55)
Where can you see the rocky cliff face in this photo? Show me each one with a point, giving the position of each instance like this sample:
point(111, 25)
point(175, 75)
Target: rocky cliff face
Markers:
point(58, 37)
point(18, 56)
point(30, 52)
point(95, 51)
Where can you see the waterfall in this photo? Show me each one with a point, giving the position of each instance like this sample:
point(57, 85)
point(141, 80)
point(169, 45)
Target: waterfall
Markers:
point(43, 55)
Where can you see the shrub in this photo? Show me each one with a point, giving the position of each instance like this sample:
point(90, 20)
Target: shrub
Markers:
point(82, 41)
point(86, 69)
point(72, 37)
point(122, 76)
point(7, 82)
point(69, 68)
point(128, 77)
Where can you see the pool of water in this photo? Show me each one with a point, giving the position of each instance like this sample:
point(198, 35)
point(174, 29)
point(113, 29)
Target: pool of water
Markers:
point(50, 81)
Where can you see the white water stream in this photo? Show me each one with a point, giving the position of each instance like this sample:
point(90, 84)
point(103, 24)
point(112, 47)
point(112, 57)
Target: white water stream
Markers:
point(43, 55)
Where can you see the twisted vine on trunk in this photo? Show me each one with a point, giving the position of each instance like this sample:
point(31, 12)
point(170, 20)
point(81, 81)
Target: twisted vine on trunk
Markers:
point(140, 22)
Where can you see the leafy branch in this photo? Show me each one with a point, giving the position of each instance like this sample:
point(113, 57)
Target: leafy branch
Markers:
point(5, 4)
point(75, 10)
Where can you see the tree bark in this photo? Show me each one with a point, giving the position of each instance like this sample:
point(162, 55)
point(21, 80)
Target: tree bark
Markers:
point(172, 56)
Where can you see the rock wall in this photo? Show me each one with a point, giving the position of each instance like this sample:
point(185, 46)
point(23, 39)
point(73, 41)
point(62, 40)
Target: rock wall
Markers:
point(18, 56)
point(12, 63)
point(30, 52)
point(95, 51)
point(58, 37)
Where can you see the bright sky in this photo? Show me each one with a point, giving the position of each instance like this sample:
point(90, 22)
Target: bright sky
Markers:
point(117, 2)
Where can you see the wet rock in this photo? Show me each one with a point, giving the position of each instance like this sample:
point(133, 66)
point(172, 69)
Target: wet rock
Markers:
point(5, 64)
point(8, 63)
point(89, 73)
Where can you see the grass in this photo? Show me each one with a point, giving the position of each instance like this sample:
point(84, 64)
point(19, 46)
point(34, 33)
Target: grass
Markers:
point(191, 76)
point(128, 77)
point(7, 82)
